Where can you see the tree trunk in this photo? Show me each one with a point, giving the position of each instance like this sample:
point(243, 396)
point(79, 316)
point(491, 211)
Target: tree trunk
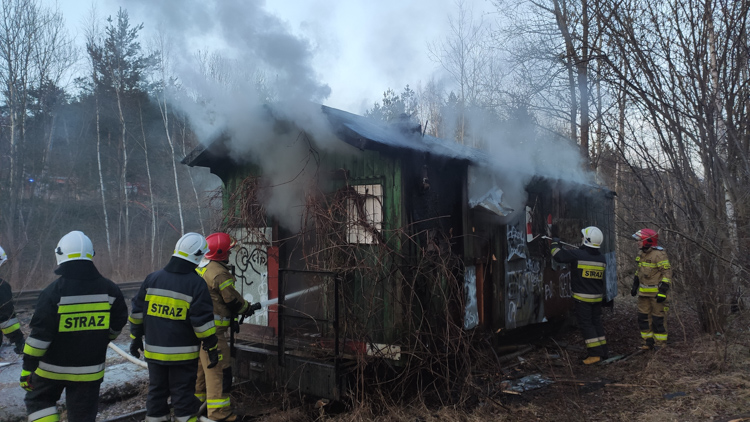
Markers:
point(165, 119)
point(150, 190)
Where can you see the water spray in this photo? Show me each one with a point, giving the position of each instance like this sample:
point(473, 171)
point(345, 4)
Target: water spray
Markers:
point(266, 303)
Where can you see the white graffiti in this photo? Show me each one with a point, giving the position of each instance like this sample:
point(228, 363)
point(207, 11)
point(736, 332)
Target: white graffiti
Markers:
point(511, 319)
point(547, 292)
point(524, 293)
point(516, 243)
point(534, 269)
point(471, 312)
point(565, 289)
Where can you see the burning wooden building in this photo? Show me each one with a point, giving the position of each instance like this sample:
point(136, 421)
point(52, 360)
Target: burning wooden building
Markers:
point(402, 246)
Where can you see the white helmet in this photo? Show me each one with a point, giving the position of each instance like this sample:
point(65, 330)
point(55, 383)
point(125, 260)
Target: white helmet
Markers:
point(3, 257)
point(191, 247)
point(592, 237)
point(72, 246)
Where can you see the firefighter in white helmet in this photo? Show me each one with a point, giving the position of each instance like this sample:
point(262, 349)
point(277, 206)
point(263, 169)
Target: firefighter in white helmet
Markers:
point(9, 324)
point(74, 320)
point(588, 286)
point(172, 318)
point(215, 384)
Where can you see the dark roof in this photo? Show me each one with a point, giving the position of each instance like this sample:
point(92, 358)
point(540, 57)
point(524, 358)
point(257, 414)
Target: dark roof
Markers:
point(361, 132)
point(392, 135)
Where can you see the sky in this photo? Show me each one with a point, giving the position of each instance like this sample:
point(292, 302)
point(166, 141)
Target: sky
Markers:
point(357, 48)
point(343, 54)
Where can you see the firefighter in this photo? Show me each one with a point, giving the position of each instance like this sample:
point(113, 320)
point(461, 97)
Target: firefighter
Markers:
point(214, 384)
point(651, 283)
point(173, 310)
point(74, 320)
point(588, 286)
point(9, 325)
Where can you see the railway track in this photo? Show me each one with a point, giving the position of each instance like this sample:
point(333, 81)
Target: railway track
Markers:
point(27, 299)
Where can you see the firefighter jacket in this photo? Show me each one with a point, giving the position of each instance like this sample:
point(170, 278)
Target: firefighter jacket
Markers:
point(74, 320)
point(228, 302)
point(8, 321)
point(173, 310)
point(587, 277)
point(653, 272)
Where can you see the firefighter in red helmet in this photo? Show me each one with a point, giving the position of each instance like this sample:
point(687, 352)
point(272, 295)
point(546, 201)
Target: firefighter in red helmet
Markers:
point(214, 384)
point(652, 281)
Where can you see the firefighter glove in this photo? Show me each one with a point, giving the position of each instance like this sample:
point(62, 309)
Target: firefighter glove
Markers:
point(636, 283)
point(661, 297)
point(213, 357)
point(26, 380)
point(251, 309)
point(135, 346)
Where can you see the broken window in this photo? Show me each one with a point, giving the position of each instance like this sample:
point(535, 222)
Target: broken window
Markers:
point(365, 214)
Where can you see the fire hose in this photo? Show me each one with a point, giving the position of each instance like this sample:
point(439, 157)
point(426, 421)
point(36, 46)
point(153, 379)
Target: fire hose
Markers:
point(127, 356)
point(560, 241)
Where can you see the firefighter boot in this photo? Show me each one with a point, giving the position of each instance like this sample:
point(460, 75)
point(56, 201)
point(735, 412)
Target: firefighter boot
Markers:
point(592, 360)
point(648, 344)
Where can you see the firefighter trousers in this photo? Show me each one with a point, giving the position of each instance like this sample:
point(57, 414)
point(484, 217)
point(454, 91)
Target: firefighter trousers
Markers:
point(81, 400)
point(589, 316)
point(215, 384)
point(652, 321)
point(175, 381)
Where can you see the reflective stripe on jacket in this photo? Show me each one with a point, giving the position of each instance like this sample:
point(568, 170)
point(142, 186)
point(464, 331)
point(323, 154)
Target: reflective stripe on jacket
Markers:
point(587, 273)
point(74, 321)
point(8, 321)
point(174, 313)
point(227, 300)
point(653, 268)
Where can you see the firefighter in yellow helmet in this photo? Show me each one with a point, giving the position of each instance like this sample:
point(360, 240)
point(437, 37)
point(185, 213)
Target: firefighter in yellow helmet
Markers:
point(652, 281)
point(214, 384)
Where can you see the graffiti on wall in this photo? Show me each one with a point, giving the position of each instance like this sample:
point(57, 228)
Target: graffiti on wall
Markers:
point(564, 285)
point(525, 294)
point(516, 243)
point(250, 262)
point(471, 311)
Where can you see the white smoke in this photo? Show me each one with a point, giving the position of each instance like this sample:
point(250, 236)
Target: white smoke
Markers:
point(230, 60)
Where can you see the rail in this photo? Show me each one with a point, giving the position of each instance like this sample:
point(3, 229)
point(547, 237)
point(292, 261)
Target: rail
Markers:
point(27, 299)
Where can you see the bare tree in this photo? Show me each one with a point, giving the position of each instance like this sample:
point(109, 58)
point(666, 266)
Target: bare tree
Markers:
point(93, 35)
point(34, 51)
point(691, 158)
point(165, 84)
point(466, 56)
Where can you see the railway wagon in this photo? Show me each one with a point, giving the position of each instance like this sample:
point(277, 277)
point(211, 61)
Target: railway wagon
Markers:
point(365, 240)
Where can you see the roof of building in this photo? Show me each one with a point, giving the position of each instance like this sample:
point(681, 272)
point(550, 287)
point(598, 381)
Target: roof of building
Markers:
point(364, 133)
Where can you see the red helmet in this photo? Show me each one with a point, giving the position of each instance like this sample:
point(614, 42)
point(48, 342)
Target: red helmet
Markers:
point(646, 238)
point(219, 245)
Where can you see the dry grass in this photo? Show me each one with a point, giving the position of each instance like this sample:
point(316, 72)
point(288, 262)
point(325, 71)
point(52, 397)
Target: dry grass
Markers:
point(697, 377)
